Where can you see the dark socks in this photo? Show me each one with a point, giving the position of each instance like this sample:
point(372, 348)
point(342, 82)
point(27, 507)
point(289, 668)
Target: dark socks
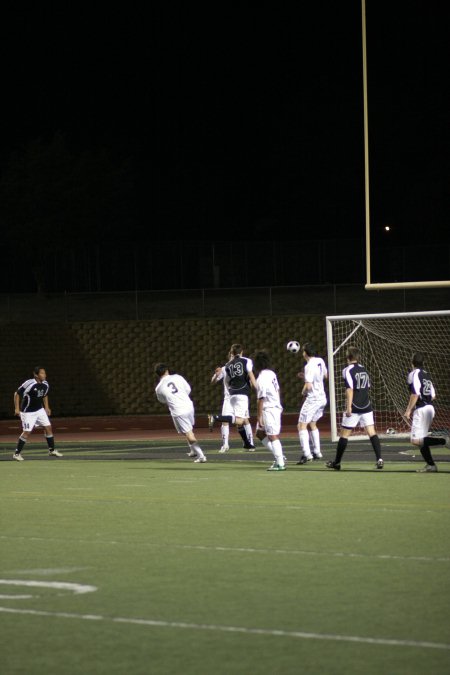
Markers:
point(20, 443)
point(50, 442)
point(376, 445)
point(223, 418)
point(433, 440)
point(243, 435)
point(425, 449)
point(342, 444)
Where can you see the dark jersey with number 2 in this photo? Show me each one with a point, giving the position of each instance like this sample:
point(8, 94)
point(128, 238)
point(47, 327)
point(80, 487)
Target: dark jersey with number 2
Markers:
point(420, 384)
point(356, 377)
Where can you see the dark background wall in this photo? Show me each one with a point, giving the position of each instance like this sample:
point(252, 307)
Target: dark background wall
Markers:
point(106, 367)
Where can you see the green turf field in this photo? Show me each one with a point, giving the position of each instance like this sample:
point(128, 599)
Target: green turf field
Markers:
point(161, 566)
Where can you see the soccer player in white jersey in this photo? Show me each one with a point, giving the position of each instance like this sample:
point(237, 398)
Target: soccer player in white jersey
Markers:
point(173, 390)
point(227, 410)
point(32, 406)
point(268, 427)
point(420, 406)
point(314, 404)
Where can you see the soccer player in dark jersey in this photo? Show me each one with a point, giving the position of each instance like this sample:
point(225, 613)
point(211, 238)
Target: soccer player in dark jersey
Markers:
point(358, 409)
point(31, 405)
point(420, 404)
point(239, 379)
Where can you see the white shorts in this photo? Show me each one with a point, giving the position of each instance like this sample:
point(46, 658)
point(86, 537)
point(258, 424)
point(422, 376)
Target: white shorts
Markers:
point(421, 422)
point(272, 421)
point(239, 405)
point(355, 419)
point(34, 419)
point(184, 423)
point(226, 407)
point(311, 410)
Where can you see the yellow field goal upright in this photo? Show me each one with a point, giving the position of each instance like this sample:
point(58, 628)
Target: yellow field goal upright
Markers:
point(369, 285)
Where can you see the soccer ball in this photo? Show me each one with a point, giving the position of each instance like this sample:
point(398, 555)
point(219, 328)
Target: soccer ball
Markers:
point(293, 346)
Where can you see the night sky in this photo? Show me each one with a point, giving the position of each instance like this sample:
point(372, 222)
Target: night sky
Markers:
point(227, 122)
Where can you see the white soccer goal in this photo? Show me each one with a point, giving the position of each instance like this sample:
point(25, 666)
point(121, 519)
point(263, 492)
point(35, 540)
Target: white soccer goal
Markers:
point(387, 343)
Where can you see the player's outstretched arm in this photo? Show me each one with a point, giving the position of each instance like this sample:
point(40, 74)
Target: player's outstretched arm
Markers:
point(16, 403)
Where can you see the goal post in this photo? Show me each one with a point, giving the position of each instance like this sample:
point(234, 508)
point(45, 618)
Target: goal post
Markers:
point(387, 343)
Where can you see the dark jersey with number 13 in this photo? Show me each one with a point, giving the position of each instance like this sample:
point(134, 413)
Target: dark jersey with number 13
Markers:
point(238, 380)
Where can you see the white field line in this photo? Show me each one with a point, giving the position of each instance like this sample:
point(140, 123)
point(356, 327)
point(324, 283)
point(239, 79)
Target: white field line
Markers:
point(234, 629)
point(242, 549)
point(48, 571)
point(331, 554)
point(77, 589)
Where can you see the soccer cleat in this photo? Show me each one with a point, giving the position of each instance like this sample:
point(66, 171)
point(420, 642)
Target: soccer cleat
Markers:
point(224, 448)
point(54, 453)
point(200, 460)
point(18, 457)
point(429, 468)
point(211, 422)
point(333, 465)
point(192, 453)
point(379, 464)
point(317, 456)
point(276, 467)
point(249, 447)
point(304, 460)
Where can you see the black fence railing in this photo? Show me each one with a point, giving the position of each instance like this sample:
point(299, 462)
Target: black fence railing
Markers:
point(263, 301)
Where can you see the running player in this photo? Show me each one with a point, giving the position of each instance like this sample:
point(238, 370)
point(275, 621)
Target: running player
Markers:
point(420, 404)
point(239, 379)
point(358, 409)
point(314, 404)
point(32, 406)
point(173, 390)
point(269, 409)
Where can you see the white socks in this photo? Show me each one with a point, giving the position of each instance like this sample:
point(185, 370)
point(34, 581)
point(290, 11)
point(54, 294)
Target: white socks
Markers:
point(277, 450)
point(249, 432)
point(315, 438)
point(196, 448)
point(225, 432)
point(304, 442)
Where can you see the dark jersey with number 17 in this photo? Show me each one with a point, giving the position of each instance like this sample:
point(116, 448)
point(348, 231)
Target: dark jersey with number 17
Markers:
point(357, 378)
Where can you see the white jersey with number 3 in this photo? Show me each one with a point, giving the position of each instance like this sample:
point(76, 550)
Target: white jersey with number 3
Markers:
point(173, 390)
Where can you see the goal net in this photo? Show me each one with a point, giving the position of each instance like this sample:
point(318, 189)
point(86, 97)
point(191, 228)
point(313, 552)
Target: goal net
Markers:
point(387, 343)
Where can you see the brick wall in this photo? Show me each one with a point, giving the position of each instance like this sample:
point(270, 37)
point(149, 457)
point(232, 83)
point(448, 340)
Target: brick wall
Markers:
point(105, 367)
